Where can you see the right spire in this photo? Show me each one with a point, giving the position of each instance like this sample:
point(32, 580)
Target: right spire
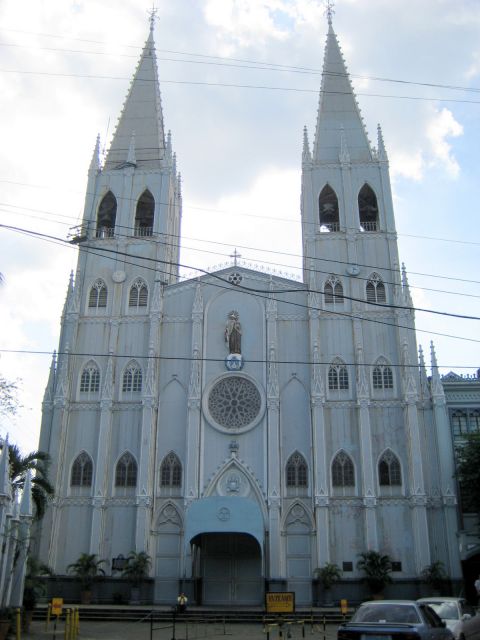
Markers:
point(338, 109)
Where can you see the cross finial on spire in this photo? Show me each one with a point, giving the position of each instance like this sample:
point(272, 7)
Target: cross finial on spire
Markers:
point(329, 10)
point(153, 14)
point(235, 255)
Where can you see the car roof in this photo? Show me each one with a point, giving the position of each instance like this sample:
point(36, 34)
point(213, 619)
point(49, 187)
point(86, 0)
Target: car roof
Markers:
point(379, 602)
point(441, 599)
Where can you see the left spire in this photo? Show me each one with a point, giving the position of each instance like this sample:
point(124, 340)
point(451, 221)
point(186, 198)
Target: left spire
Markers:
point(141, 115)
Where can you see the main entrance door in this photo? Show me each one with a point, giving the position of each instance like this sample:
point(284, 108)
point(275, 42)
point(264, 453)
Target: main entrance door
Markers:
point(230, 565)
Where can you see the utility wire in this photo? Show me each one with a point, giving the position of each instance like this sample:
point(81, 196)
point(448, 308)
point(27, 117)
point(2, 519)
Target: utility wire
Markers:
point(99, 251)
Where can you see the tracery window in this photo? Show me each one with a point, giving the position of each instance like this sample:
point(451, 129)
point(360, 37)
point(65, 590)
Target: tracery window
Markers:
point(328, 209)
point(376, 289)
point(343, 474)
point(337, 376)
point(144, 214)
point(107, 212)
point(382, 375)
point(171, 471)
point(297, 471)
point(474, 421)
point(138, 296)
point(333, 291)
point(389, 471)
point(90, 379)
point(368, 209)
point(97, 298)
point(132, 378)
point(234, 402)
point(82, 471)
point(126, 471)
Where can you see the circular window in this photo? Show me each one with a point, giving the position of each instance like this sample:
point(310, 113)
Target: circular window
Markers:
point(235, 277)
point(234, 402)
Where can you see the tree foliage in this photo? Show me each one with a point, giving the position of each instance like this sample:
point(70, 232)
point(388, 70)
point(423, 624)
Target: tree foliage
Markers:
point(86, 569)
point(468, 472)
point(377, 569)
point(38, 463)
point(9, 403)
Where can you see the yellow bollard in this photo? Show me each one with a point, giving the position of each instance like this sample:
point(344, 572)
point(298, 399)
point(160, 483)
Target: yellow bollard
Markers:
point(77, 622)
point(49, 613)
point(67, 625)
point(74, 623)
point(18, 624)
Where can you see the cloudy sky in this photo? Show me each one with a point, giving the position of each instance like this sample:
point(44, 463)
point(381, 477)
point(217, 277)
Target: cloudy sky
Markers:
point(240, 79)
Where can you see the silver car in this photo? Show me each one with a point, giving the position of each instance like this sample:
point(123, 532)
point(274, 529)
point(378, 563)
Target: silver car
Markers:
point(458, 615)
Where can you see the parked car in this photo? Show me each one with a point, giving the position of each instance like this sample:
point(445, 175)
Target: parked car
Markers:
point(458, 615)
point(394, 620)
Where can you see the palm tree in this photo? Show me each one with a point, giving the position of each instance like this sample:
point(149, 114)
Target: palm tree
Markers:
point(37, 462)
point(377, 569)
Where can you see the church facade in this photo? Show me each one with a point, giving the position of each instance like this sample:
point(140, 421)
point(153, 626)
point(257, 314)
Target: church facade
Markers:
point(242, 428)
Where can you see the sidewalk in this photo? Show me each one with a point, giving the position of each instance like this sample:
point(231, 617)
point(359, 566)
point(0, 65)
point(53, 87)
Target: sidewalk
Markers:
point(164, 631)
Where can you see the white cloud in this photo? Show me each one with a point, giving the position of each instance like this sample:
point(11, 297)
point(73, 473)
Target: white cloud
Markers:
point(407, 165)
point(442, 126)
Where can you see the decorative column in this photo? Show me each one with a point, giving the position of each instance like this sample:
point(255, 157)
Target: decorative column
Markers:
point(102, 462)
point(418, 498)
point(366, 455)
point(276, 567)
point(193, 434)
point(23, 543)
point(5, 510)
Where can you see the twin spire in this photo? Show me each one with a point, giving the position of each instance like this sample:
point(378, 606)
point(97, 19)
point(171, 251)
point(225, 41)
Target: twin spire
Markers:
point(340, 134)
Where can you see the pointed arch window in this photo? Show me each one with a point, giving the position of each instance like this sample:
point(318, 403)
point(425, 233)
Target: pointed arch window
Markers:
point(171, 471)
point(375, 289)
point(382, 375)
point(90, 379)
point(297, 471)
point(343, 474)
point(126, 471)
point(368, 209)
point(132, 378)
point(328, 210)
point(333, 291)
point(97, 298)
point(144, 215)
point(338, 376)
point(82, 471)
point(138, 296)
point(474, 421)
point(107, 213)
point(389, 471)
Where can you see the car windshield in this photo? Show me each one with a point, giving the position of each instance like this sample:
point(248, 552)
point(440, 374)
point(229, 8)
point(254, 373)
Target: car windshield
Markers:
point(445, 610)
point(386, 613)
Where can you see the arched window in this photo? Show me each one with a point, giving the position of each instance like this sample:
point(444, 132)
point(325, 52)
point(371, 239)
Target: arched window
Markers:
point(368, 209)
point(82, 471)
point(132, 378)
point(337, 376)
point(376, 289)
point(474, 421)
point(171, 471)
point(107, 212)
point(328, 210)
point(138, 296)
point(382, 375)
point(343, 474)
point(297, 471)
point(90, 379)
point(389, 472)
point(144, 214)
point(333, 291)
point(126, 471)
point(459, 422)
point(97, 298)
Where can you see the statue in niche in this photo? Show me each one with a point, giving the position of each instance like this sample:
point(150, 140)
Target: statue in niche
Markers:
point(233, 333)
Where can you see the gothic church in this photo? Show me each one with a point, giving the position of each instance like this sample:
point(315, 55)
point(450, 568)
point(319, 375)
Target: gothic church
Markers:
point(241, 428)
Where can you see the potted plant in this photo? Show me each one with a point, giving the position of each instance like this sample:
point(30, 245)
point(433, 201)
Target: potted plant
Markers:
point(34, 587)
point(136, 570)
point(377, 568)
point(328, 575)
point(435, 576)
point(86, 569)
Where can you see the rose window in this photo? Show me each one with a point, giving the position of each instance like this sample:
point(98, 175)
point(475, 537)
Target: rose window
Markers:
point(234, 402)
